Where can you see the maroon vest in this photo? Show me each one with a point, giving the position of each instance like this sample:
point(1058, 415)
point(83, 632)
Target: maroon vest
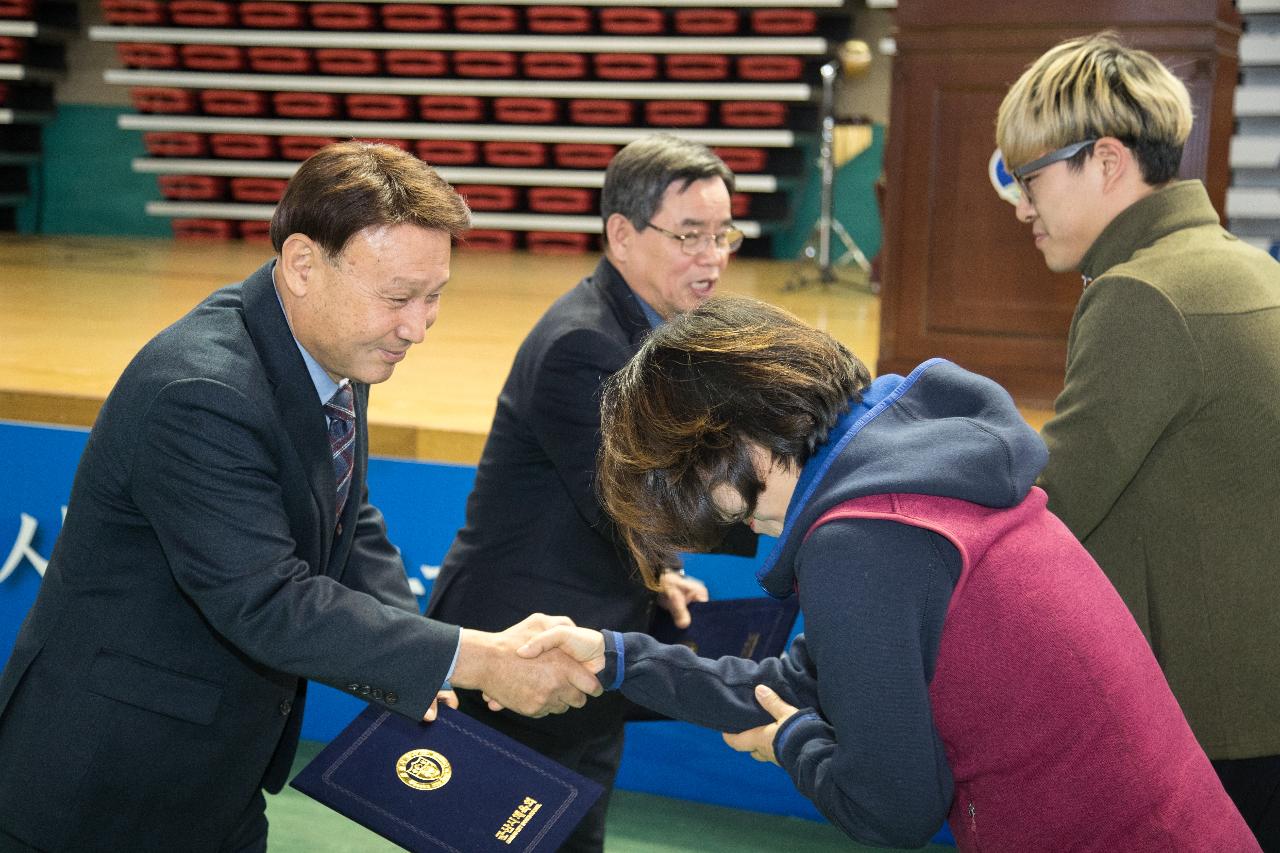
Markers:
point(1059, 728)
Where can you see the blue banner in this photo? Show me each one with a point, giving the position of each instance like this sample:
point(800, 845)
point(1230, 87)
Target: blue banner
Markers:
point(424, 505)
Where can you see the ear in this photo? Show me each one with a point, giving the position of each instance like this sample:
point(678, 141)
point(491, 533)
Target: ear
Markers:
point(299, 256)
point(621, 233)
point(1116, 161)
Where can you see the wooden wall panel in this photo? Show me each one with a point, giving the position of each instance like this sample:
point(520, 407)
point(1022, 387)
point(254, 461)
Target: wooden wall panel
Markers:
point(962, 278)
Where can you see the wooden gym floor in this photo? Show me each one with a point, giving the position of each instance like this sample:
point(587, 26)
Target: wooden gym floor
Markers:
point(74, 310)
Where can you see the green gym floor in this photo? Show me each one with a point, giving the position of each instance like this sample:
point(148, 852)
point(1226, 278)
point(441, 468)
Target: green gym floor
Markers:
point(638, 823)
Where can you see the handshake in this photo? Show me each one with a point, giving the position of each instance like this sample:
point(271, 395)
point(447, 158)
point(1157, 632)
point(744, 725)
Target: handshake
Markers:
point(541, 665)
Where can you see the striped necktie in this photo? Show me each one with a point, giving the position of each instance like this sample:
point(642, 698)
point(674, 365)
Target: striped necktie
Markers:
point(341, 412)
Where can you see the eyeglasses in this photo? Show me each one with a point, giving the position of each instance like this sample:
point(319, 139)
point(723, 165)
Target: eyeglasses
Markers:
point(1021, 173)
point(695, 242)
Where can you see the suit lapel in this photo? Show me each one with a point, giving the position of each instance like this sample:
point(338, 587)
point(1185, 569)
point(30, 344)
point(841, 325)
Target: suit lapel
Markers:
point(300, 411)
point(623, 302)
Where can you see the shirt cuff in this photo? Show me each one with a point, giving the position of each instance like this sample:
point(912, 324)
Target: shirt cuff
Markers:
point(448, 675)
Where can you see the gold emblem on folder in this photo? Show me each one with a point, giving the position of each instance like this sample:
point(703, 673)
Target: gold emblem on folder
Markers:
point(424, 769)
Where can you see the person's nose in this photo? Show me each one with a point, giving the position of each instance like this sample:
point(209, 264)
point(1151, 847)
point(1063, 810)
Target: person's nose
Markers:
point(1025, 210)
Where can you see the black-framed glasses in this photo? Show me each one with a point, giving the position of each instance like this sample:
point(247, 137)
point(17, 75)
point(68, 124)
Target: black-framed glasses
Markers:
point(1066, 152)
point(696, 242)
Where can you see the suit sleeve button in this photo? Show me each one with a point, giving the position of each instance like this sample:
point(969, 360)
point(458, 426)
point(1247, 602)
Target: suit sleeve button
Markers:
point(285, 707)
point(392, 698)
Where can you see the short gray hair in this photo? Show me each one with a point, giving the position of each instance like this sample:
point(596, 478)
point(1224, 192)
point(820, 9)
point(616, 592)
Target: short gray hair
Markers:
point(640, 173)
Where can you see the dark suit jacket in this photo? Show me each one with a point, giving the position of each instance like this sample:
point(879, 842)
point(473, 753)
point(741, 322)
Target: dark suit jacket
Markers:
point(156, 684)
point(536, 538)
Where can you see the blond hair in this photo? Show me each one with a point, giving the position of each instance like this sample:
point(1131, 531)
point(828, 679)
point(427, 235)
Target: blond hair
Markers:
point(1091, 87)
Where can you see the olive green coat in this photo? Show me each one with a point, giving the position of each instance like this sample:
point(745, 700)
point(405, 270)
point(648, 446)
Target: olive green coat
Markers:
point(1164, 454)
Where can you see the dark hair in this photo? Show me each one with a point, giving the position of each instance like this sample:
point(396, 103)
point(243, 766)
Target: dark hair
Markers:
point(638, 176)
point(347, 187)
point(680, 419)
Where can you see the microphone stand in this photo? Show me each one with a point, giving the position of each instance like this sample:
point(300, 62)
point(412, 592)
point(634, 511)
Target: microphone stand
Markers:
point(815, 265)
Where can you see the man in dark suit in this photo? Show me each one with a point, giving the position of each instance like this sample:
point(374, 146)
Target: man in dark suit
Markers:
point(535, 535)
point(219, 550)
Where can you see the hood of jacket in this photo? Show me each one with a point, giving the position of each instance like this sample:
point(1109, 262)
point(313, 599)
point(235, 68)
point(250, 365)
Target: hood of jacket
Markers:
point(940, 431)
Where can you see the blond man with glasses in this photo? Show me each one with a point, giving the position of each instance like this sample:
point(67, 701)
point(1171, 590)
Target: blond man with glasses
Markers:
point(535, 533)
point(1164, 448)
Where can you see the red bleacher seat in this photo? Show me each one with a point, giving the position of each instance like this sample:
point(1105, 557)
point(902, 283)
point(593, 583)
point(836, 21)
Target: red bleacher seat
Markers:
point(175, 144)
point(558, 19)
point(484, 63)
point(302, 147)
point(488, 240)
point(234, 102)
point(753, 114)
point(12, 49)
point(677, 113)
point(526, 110)
point(352, 62)
point(487, 197)
point(706, 22)
point(583, 155)
point(743, 160)
point(486, 19)
point(633, 21)
point(202, 13)
point(305, 104)
point(626, 66)
point(201, 230)
point(147, 55)
point(258, 190)
point(601, 111)
point(212, 57)
point(413, 18)
point(456, 108)
point(255, 230)
point(554, 66)
point(163, 99)
point(558, 242)
point(784, 22)
point(416, 63)
point(562, 200)
point(740, 205)
point(192, 187)
point(242, 146)
point(517, 155)
point(5, 91)
point(378, 107)
point(447, 152)
point(342, 16)
point(697, 66)
point(280, 60)
point(272, 15)
point(770, 67)
point(135, 13)
point(18, 9)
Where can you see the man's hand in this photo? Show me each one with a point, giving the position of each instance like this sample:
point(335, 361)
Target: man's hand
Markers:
point(582, 644)
point(548, 684)
point(678, 592)
point(759, 741)
point(448, 697)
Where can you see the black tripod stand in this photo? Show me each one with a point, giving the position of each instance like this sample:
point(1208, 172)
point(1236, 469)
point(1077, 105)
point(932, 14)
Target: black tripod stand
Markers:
point(815, 265)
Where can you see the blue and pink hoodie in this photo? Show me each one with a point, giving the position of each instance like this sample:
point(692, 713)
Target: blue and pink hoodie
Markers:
point(963, 656)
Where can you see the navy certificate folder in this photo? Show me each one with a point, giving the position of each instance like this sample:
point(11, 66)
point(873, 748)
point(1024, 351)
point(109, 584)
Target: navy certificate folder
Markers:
point(454, 784)
point(755, 628)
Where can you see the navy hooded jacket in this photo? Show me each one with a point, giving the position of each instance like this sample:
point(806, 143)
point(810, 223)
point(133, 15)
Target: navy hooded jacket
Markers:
point(874, 594)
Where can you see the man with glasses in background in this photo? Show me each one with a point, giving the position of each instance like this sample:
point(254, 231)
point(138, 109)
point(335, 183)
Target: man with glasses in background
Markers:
point(535, 535)
point(1164, 448)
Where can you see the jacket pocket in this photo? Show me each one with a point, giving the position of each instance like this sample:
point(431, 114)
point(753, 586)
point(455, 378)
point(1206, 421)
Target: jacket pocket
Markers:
point(145, 685)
